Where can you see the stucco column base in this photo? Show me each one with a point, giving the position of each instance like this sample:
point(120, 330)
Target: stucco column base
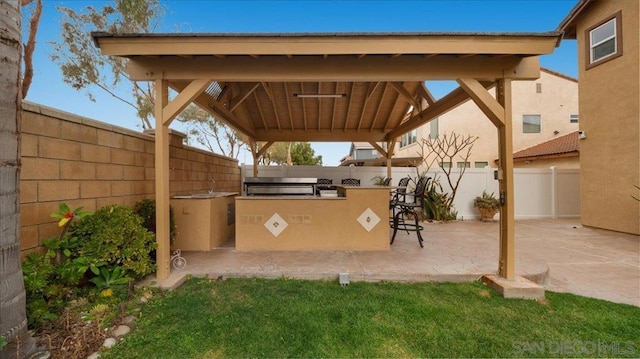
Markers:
point(519, 287)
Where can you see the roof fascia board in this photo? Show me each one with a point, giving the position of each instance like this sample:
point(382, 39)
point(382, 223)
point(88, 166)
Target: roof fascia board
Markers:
point(348, 45)
point(336, 69)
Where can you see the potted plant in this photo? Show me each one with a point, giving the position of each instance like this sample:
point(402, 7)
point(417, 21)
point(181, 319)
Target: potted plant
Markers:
point(488, 205)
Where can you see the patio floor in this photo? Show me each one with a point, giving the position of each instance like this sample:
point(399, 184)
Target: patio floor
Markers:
point(559, 254)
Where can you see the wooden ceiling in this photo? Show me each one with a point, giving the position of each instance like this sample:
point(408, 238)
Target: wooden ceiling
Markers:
point(327, 87)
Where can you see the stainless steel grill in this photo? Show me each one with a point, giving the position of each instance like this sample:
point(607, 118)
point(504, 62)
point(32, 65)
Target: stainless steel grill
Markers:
point(278, 186)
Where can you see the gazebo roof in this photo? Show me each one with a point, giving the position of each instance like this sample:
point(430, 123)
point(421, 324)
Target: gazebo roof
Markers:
point(327, 86)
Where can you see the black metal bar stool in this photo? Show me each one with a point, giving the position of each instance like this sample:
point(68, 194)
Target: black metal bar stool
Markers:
point(403, 208)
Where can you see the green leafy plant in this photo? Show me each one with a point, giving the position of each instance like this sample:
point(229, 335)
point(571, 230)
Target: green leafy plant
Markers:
point(437, 205)
point(114, 235)
point(488, 201)
point(381, 180)
point(110, 277)
point(3, 341)
point(147, 210)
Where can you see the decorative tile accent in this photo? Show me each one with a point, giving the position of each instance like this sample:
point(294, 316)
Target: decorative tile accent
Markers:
point(368, 219)
point(276, 224)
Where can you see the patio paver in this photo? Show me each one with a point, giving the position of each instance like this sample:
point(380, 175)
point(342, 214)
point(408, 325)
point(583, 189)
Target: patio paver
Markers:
point(561, 254)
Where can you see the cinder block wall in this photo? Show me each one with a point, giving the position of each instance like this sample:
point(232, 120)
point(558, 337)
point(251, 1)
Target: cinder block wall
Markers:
point(83, 162)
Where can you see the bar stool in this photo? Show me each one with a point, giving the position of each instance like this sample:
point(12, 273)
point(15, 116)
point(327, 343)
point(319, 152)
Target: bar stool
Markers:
point(402, 208)
point(351, 182)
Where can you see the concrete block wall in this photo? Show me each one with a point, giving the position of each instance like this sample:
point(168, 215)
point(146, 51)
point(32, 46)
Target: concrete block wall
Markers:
point(83, 162)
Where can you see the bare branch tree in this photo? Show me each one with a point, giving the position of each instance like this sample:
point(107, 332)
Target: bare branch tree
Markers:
point(30, 45)
point(443, 150)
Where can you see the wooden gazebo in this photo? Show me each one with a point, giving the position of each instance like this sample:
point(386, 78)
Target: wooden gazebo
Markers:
point(330, 87)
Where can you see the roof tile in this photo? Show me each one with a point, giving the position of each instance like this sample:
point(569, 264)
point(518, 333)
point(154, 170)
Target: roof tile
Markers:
point(564, 144)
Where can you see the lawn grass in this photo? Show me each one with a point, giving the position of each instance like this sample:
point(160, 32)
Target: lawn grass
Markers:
point(294, 318)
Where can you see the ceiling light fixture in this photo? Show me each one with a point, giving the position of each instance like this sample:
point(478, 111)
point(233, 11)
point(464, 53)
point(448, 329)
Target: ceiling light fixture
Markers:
point(318, 95)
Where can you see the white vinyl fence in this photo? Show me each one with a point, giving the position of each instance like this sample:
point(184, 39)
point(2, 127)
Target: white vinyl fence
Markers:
point(539, 192)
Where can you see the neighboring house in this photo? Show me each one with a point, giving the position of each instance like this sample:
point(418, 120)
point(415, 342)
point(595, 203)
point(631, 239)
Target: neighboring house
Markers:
point(542, 109)
point(561, 152)
point(364, 154)
point(363, 151)
point(609, 69)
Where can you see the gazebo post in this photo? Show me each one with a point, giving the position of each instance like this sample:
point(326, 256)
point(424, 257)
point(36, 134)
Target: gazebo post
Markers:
point(498, 110)
point(391, 146)
point(162, 180)
point(165, 112)
point(506, 266)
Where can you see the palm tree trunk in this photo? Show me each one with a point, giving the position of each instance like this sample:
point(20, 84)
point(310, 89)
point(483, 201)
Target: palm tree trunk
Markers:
point(13, 319)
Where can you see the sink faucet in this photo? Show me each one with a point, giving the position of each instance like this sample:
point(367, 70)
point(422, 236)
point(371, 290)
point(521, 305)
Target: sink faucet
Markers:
point(211, 185)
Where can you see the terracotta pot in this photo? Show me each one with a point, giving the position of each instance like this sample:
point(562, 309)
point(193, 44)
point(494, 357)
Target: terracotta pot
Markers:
point(487, 214)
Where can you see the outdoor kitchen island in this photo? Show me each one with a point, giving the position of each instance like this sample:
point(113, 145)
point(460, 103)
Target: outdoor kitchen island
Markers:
point(358, 219)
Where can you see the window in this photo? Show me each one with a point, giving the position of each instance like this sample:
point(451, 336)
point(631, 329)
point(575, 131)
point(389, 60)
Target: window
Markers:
point(573, 118)
point(530, 123)
point(463, 164)
point(433, 129)
point(538, 88)
point(605, 41)
point(481, 164)
point(408, 138)
point(445, 164)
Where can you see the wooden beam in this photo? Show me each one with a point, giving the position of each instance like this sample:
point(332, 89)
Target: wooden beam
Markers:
point(403, 91)
point(162, 175)
point(383, 44)
point(304, 107)
point(288, 100)
point(506, 263)
point(184, 98)
point(378, 106)
point(391, 147)
point(452, 100)
point(262, 117)
point(349, 135)
point(349, 107)
point(489, 105)
point(379, 148)
point(372, 87)
point(216, 109)
point(341, 69)
point(333, 110)
point(267, 89)
point(426, 94)
point(237, 100)
point(264, 148)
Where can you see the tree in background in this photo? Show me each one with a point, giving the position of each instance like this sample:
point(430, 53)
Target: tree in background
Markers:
point(292, 153)
point(211, 133)
point(442, 151)
point(84, 67)
point(30, 45)
point(82, 64)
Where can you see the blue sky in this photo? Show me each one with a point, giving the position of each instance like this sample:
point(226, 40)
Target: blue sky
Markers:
point(254, 16)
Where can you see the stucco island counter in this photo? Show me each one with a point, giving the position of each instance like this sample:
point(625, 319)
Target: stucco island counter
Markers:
point(358, 219)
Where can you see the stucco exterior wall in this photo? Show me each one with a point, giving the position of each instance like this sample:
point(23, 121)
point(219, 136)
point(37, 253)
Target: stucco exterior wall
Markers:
point(82, 162)
point(609, 116)
point(556, 102)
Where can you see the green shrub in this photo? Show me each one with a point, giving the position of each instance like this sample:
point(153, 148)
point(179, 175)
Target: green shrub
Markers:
point(147, 210)
point(437, 204)
point(46, 296)
point(114, 235)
